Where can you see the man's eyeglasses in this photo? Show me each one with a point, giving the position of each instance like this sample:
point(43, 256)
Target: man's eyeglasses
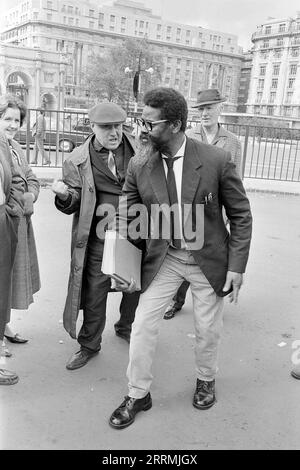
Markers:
point(148, 125)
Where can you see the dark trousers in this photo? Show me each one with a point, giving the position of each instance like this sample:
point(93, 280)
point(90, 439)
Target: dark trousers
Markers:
point(95, 288)
point(179, 297)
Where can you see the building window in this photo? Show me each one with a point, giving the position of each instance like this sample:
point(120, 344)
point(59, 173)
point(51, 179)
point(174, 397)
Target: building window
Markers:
point(188, 63)
point(111, 28)
point(178, 61)
point(272, 96)
point(91, 13)
point(123, 30)
point(91, 24)
point(282, 28)
point(276, 69)
point(262, 70)
point(49, 17)
point(265, 44)
point(295, 52)
point(289, 97)
point(71, 21)
point(168, 70)
point(270, 110)
point(268, 29)
point(258, 97)
point(291, 82)
point(274, 83)
point(277, 54)
point(112, 18)
point(178, 32)
point(49, 5)
point(158, 36)
point(123, 20)
point(256, 109)
point(188, 33)
point(70, 10)
point(101, 17)
point(141, 24)
point(293, 69)
point(261, 83)
point(177, 81)
point(279, 42)
point(158, 27)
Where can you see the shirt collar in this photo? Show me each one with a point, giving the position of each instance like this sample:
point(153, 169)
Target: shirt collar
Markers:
point(180, 152)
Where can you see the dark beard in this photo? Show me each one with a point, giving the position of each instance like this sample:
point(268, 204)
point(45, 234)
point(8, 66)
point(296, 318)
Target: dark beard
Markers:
point(144, 150)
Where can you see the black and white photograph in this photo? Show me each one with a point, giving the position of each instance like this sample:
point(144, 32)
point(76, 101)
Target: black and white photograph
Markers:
point(149, 228)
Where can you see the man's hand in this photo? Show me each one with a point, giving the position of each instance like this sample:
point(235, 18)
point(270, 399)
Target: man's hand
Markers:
point(235, 280)
point(60, 189)
point(124, 286)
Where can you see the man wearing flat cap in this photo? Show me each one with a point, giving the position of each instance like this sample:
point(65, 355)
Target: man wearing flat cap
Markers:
point(209, 131)
point(93, 175)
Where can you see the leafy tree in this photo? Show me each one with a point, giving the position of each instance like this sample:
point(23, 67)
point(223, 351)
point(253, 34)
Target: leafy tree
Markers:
point(106, 77)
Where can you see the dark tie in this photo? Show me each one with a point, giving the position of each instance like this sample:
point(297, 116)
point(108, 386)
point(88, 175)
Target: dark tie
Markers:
point(111, 163)
point(172, 191)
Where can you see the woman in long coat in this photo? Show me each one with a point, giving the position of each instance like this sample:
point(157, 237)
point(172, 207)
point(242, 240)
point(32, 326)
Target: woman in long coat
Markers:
point(11, 210)
point(26, 278)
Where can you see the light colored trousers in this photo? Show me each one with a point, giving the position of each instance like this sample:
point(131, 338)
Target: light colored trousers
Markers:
point(39, 147)
point(208, 320)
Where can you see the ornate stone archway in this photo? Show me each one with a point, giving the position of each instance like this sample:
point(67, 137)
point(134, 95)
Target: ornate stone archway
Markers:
point(19, 83)
point(49, 101)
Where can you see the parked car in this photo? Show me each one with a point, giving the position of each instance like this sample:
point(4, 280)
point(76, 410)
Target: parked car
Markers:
point(69, 135)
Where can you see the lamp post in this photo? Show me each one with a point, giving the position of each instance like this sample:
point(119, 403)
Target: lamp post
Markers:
point(136, 84)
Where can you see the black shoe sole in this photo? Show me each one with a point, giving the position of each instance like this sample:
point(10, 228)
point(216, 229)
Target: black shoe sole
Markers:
point(204, 407)
point(296, 376)
point(123, 426)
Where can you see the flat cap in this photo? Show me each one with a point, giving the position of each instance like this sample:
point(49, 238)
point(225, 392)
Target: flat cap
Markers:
point(107, 113)
point(210, 96)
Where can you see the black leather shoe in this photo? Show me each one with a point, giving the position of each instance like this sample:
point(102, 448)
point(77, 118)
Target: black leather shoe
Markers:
point(296, 372)
point(171, 312)
point(124, 335)
point(204, 396)
point(16, 339)
point(124, 415)
point(80, 359)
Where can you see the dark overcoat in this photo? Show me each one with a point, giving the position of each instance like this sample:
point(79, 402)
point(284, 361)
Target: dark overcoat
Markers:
point(78, 176)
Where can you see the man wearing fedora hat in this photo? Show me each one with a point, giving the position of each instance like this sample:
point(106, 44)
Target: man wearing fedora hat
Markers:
point(209, 131)
point(93, 175)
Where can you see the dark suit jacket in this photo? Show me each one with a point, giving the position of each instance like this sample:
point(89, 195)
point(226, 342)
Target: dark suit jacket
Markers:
point(209, 178)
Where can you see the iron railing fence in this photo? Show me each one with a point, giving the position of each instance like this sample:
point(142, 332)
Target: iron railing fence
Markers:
point(267, 152)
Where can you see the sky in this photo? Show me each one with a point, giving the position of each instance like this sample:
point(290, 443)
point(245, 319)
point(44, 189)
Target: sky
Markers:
point(239, 17)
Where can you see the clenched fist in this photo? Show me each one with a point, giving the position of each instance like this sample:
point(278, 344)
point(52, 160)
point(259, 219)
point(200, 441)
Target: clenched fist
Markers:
point(60, 189)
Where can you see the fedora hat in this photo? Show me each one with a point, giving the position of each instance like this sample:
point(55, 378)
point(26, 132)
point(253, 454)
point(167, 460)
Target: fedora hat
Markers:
point(210, 96)
point(107, 113)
